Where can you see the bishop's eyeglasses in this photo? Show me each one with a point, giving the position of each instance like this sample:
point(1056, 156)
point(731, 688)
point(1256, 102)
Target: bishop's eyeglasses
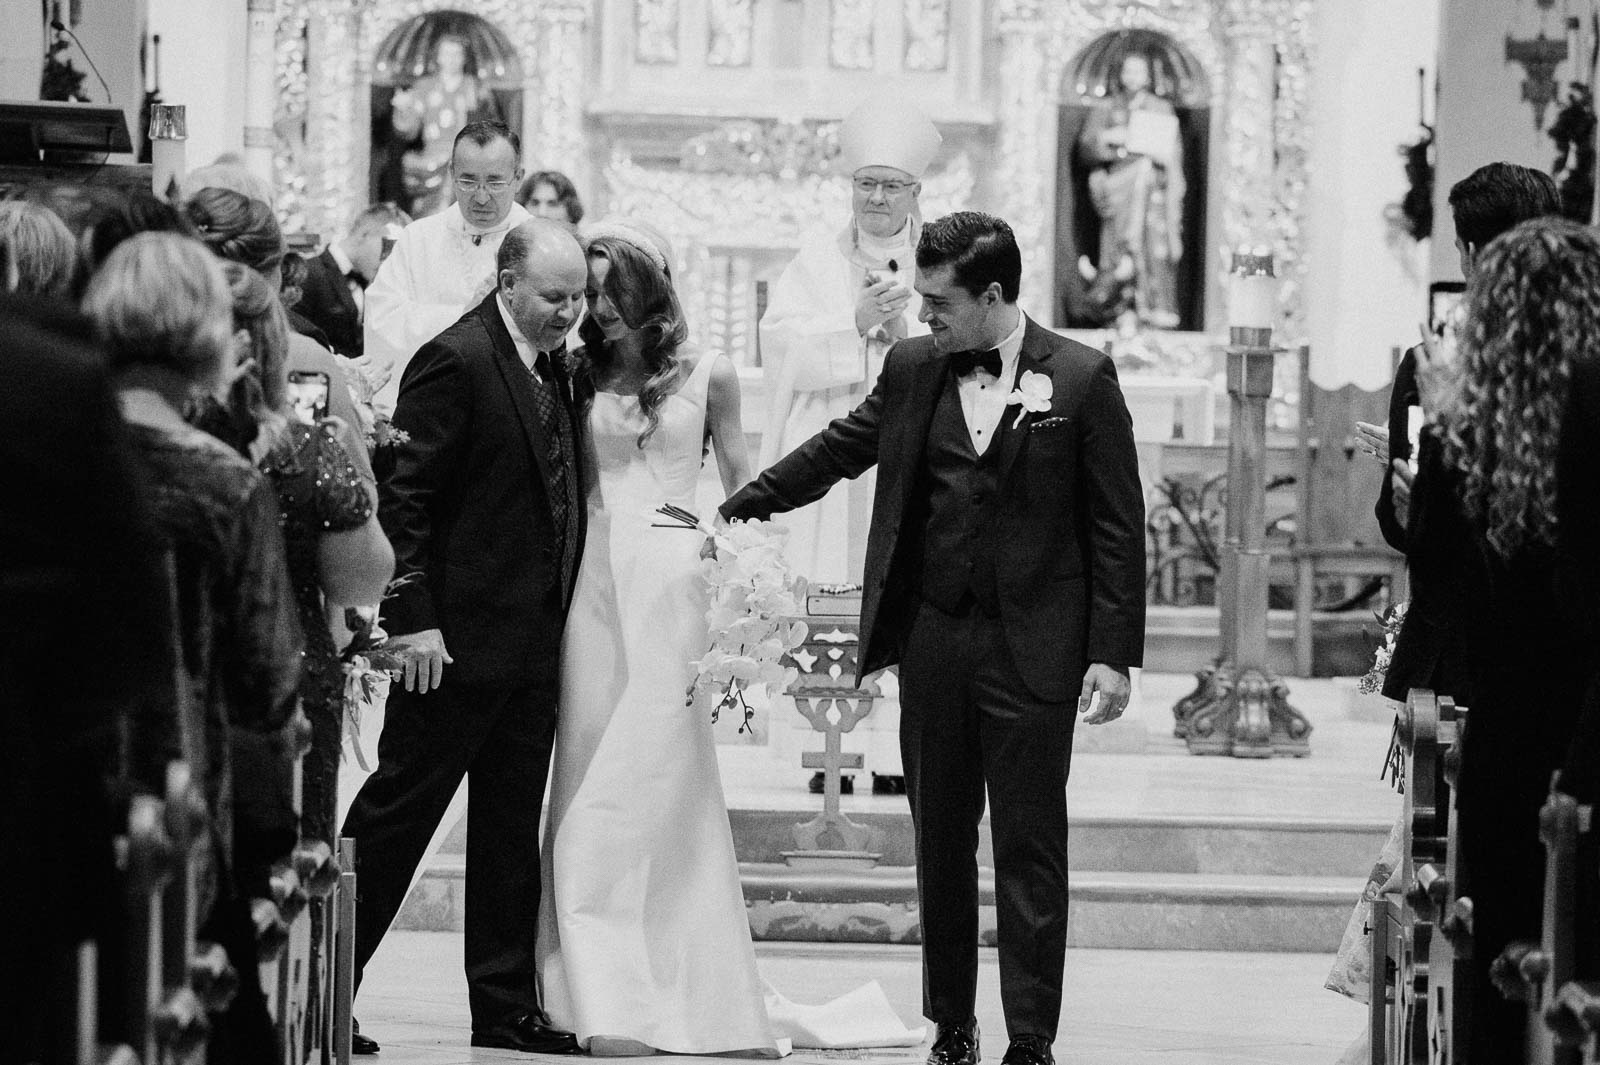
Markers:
point(867, 186)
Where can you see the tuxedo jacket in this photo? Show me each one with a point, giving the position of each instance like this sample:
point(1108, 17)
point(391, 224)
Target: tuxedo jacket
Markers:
point(326, 302)
point(1067, 524)
point(467, 505)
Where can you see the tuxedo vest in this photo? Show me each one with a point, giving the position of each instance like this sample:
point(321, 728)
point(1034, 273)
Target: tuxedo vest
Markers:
point(958, 488)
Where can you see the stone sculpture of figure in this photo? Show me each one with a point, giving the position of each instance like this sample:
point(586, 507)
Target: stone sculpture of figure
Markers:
point(436, 107)
point(1137, 188)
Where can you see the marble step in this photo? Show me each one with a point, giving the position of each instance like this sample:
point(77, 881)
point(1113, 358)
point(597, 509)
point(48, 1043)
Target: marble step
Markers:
point(1200, 844)
point(1138, 910)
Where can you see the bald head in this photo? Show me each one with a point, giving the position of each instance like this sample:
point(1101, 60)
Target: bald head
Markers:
point(542, 274)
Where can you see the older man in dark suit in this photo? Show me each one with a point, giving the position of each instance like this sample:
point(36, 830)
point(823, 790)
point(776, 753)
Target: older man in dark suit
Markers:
point(485, 514)
point(1005, 575)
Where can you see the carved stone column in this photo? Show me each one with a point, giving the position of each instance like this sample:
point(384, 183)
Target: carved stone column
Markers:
point(260, 95)
point(1026, 167)
point(553, 119)
point(333, 117)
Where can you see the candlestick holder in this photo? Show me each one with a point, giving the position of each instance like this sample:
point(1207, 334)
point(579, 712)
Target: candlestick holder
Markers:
point(169, 135)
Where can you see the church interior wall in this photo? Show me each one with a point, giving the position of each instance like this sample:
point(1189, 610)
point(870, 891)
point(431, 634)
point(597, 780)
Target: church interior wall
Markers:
point(21, 45)
point(203, 67)
point(1482, 114)
point(1366, 284)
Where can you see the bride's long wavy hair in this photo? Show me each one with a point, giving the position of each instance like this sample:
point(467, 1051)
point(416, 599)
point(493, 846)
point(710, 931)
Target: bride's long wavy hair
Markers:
point(643, 294)
point(1533, 309)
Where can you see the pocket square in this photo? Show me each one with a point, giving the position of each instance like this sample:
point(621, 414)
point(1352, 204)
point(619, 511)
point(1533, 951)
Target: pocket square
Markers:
point(1047, 423)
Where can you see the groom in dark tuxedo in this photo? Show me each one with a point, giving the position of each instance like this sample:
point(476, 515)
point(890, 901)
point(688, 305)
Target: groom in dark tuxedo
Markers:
point(485, 514)
point(1005, 576)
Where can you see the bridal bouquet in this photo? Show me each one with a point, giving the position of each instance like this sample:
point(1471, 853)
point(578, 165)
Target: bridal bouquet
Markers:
point(753, 594)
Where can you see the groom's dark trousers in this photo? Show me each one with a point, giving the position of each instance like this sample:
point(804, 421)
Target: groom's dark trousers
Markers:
point(484, 510)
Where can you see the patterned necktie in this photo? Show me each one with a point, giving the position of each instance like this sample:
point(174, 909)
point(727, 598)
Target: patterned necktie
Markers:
point(560, 452)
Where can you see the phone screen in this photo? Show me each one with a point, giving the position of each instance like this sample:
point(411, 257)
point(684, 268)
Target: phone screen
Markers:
point(1443, 298)
point(308, 396)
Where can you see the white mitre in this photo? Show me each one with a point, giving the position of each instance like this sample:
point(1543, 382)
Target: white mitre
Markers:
point(888, 133)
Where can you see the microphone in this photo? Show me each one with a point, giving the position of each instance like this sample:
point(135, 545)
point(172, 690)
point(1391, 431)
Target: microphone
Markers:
point(61, 27)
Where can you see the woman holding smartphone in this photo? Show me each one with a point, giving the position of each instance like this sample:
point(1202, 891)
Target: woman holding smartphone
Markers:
point(336, 550)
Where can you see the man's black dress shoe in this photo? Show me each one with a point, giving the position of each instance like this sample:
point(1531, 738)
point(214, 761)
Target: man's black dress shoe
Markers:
point(529, 1032)
point(955, 1044)
point(1029, 1050)
point(360, 1044)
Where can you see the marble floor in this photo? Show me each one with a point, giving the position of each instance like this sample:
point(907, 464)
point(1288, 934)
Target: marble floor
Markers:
point(1121, 1007)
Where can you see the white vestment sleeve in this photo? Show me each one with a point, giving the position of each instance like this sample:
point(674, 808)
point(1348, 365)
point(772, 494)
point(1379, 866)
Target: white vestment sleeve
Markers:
point(401, 312)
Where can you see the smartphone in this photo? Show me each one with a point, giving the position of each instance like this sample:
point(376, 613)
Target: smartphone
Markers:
point(308, 396)
point(1443, 298)
point(1414, 434)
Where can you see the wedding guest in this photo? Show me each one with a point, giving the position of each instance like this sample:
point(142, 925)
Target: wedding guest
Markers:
point(228, 171)
point(444, 265)
point(337, 553)
point(1430, 651)
point(289, 294)
point(551, 194)
point(79, 555)
point(40, 248)
point(335, 288)
point(246, 231)
point(1499, 395)
point(162, 311)
point(109, 224)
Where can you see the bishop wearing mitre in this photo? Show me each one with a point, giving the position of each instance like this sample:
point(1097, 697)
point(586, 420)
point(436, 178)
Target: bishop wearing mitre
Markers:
point(846, 297)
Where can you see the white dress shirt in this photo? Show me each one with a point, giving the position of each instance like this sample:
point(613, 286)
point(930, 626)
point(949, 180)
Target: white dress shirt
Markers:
point(983, 396)
point(525, 350)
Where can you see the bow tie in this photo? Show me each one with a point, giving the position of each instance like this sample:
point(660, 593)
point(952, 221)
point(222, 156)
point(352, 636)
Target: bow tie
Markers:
point(355, 278)
point(964, 362)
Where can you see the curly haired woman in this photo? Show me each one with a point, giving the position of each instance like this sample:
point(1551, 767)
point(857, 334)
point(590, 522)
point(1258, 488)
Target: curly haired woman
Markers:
point(1500, 397)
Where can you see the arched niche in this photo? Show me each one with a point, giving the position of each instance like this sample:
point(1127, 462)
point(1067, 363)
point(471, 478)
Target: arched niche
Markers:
point(1137, 226)
point(407, 62)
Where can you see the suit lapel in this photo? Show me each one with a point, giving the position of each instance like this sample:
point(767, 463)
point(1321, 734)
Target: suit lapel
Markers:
point(911, 423)
point(1033, 358)
point(519, 385)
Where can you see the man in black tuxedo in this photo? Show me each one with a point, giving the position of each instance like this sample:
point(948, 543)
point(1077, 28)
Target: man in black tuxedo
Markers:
point(336, 280)
point(485, 514)
point(1005, 576)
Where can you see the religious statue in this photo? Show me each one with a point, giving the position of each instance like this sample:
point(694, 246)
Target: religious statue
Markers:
point(434, 109)
point(1136, 184)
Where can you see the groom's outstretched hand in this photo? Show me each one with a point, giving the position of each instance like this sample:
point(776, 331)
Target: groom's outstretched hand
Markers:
point(425, 659)
point(1114, 688)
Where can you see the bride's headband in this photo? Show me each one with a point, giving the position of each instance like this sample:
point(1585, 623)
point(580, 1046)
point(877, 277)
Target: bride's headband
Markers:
point(633, 235)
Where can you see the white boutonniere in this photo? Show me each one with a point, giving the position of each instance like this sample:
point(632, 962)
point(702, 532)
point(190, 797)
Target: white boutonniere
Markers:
point(1033, 393)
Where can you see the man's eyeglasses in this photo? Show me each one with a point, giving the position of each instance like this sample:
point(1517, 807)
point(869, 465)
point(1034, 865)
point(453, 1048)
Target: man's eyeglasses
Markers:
point(471, 185)
point(867, 186)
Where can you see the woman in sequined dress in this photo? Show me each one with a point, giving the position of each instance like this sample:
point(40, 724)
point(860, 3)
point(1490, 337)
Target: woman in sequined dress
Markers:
point(336, 551)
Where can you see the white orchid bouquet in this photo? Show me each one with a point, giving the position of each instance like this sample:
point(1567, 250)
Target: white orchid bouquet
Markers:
point(754, 598)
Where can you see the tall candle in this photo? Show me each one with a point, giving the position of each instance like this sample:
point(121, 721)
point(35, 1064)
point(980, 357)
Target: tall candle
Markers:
point(168, 148)
point(1252, 297)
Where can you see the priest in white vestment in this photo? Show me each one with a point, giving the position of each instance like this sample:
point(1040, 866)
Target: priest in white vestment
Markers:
point(842, 302)
point(846, 297)
point(443, 265)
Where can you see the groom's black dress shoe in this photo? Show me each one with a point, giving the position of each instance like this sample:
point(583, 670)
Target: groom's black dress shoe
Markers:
point(529, 1032)
point(1029, 1050)
point(956, 1044)
point(360, 1044)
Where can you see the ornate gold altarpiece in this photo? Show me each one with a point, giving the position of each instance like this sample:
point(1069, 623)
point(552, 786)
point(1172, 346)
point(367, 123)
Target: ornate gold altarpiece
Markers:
point(611, 86)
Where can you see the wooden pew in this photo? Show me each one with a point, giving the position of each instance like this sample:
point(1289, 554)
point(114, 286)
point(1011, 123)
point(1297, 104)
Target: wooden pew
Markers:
point(1565, 1006)
point(1410, 956)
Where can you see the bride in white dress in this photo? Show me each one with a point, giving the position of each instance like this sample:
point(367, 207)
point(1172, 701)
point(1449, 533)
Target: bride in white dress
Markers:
point(644, 943)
